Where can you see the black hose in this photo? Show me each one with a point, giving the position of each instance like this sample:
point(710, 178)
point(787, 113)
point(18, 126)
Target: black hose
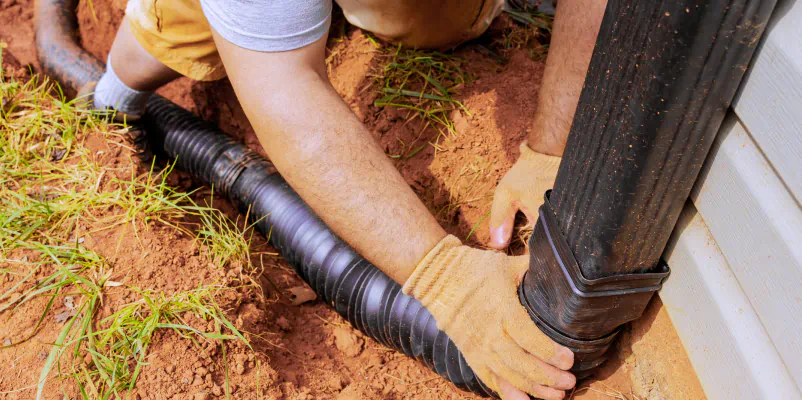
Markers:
point(358, 291)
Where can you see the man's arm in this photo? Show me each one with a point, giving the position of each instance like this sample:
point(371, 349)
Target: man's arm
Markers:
point(329, 157)
point(576, 26)
point(332, 161)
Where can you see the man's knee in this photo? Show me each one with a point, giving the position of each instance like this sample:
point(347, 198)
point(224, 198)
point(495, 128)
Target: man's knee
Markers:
point(423, 24)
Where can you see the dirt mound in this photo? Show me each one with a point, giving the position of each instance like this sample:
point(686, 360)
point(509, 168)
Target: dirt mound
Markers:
point(307, 351)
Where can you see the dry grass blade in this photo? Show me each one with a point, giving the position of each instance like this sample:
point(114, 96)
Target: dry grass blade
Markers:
point(531, 33)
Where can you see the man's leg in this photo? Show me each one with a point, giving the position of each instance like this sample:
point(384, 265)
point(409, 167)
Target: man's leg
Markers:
point(156, 43)
point(131, 77)
point(576, 25)
point(137, 68)
point(574, 35)
point(423, 23)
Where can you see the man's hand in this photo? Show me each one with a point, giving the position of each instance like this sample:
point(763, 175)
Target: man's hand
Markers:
point(473, 296)
point(521, 189)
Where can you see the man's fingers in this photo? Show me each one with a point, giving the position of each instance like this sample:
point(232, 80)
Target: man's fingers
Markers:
point(521, 328)
point(529, 365)
point(520, 382)
point(509, 392)
point(502, 218)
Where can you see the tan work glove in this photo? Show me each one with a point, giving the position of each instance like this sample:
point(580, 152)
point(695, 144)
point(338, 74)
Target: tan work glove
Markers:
point(521, 189)
point(473, 296)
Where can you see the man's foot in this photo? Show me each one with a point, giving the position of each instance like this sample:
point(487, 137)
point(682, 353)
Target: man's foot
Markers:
point(86, 98)
point(136, 132)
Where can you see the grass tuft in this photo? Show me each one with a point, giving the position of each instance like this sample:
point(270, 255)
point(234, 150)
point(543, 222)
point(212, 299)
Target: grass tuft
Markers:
point(226, 242)
point(424, 82)
point(530, 32)
point(119, 349)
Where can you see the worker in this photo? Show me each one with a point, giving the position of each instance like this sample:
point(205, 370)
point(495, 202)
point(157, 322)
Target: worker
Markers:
point(273, 54)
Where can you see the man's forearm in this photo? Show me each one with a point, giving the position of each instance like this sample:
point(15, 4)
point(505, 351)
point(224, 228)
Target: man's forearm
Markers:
point(331, 160)
point(576, 26)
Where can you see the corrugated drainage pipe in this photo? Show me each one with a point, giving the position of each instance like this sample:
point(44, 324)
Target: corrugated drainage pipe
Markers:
point(358, 291)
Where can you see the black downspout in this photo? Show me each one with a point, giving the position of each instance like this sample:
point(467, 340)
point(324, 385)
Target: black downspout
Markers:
point(662, 76)
point(355, 288)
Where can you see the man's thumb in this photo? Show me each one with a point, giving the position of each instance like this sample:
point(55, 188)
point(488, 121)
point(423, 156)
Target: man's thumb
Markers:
point(502, 218)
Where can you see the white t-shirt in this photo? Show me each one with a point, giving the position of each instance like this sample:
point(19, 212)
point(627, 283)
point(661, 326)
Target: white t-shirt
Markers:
point(269, 25)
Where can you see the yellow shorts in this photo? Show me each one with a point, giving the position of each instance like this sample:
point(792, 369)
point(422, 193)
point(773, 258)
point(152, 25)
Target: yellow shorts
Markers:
point(177, 33)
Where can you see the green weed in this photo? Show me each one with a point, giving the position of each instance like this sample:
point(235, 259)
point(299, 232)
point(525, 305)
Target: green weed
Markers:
point(119, 349)
point(424, 82)
point(148, 198)
point(224, 240)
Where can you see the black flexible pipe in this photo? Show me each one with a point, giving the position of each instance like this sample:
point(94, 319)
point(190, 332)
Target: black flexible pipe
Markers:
point(358, 291)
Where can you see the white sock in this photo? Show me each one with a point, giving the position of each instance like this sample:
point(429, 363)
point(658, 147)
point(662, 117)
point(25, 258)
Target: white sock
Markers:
point(111, 92)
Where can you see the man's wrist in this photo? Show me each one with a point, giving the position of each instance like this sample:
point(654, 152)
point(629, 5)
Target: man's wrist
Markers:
point(422, 278)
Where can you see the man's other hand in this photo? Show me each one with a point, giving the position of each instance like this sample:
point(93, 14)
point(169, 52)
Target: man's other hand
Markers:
point(522, 188)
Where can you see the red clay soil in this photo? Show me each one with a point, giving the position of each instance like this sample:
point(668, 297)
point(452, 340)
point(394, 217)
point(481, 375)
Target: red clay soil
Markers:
point(308, 351)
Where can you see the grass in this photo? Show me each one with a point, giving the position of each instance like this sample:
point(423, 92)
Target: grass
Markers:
point(148, 198)
point(119, 349)
point(226, 242)
point(71, 268)
point(465, 187)
point(424, 82)
point(42, 193)
point(50, 184)
point(531, 33)
point(427, 83)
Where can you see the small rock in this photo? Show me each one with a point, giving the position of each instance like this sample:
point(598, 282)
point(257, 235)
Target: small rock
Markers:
point(375, 359)
point(301, 294)
point(57, 154)
point(69, 302)
point(347, 342)
point(201, 371)
point(13, 296)
point(283, 324)
point(63, 316)
point(335, 384)
point(170, 369)
point(203, 395)
point(6, 342)
point(216, 390)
